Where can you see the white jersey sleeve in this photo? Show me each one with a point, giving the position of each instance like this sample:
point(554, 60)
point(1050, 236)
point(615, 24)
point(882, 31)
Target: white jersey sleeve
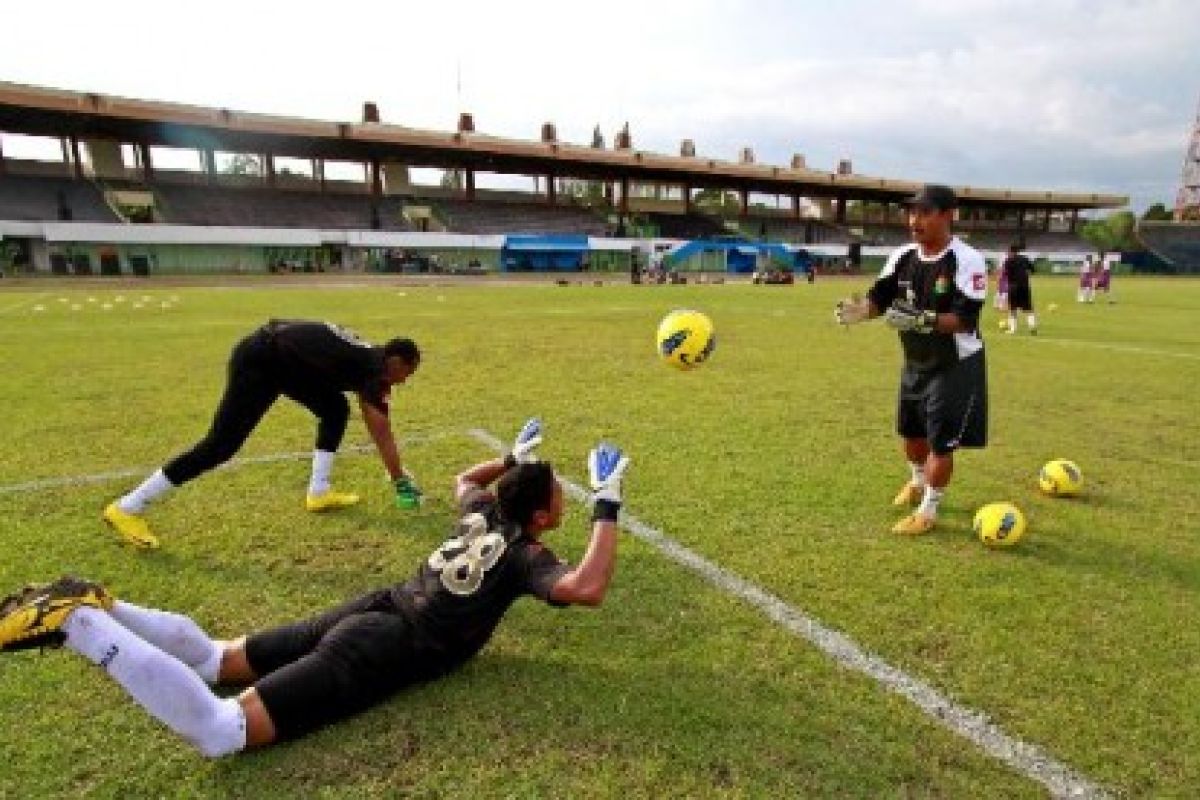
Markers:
point(971, 277)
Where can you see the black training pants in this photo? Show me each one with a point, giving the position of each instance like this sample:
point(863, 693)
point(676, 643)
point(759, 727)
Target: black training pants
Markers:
point(254, 383)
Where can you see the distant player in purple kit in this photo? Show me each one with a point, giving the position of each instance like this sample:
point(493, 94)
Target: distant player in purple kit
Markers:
point(1103, 279)
point(931, 292)
point(308, 674)
point(312, 363)
point(1086, 292)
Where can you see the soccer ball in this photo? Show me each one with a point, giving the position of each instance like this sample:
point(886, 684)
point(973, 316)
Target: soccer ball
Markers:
point(685, 338)
point(1060, 478)
point(999, 524)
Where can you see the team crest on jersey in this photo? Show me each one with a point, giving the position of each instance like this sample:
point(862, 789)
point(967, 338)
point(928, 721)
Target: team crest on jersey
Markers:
point(942, 285)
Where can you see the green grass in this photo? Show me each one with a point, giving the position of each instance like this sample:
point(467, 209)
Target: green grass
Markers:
point(777, 460)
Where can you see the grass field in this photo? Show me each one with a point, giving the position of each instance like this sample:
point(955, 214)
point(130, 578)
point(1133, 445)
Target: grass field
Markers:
point(777, 461)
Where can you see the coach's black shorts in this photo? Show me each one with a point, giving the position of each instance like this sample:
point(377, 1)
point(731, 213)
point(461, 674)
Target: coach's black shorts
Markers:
point(336, 664)
point(1020, 298)
point(949, 408)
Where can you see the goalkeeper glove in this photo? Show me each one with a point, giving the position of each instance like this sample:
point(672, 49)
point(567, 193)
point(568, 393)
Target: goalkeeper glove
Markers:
point(851, 310)
point(904, 316)
point(529, 437)
point(606, 468)
point(407, 493)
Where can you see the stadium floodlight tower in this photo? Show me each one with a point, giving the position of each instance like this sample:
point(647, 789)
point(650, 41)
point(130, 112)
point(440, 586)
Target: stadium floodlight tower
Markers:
point(1187, 202)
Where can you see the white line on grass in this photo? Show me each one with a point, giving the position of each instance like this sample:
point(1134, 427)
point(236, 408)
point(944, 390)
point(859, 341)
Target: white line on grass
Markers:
point(1116, 348)
point(105, 477)
point(1029, 760)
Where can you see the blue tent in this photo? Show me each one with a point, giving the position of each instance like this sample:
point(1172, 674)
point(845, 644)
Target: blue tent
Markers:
point(543, 253)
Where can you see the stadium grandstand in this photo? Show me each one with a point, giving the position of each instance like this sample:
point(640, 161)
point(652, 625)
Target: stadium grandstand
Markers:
point(262, 193)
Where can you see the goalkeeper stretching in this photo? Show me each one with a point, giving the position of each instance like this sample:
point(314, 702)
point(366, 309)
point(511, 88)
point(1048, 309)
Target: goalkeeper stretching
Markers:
point(311, 673)
point(931, 291)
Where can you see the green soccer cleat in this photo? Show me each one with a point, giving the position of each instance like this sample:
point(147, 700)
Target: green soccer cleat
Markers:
point(132, 528)
point(34, 616)
point(329, 501)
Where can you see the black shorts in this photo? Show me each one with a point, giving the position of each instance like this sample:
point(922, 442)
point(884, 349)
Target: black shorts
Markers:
point(1020, 298)
point(336, 664)
point(949, 407)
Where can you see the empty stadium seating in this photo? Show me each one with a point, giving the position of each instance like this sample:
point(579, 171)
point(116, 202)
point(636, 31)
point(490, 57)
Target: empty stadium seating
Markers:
point(483, 217)
point(27, 198)
point(215, 205)
point(1177, 243)
point(687, 226)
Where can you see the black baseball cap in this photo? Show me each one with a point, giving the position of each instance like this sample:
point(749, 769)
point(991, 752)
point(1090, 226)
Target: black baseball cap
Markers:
point(934, 196)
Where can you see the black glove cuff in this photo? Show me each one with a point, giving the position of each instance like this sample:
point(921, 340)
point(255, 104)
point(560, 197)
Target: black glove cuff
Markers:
point(605, 511)
point(510, 461)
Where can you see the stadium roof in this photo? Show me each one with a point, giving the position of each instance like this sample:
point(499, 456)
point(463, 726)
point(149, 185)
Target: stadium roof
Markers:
point(55, 112)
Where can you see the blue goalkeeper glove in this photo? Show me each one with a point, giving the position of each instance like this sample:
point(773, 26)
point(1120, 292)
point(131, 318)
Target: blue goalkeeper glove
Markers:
point(529, 437)
point(606, 468)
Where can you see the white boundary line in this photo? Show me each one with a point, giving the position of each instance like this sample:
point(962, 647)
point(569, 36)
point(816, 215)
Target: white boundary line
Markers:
point(1027, 759)
point(105, 477)
point(1116, 348)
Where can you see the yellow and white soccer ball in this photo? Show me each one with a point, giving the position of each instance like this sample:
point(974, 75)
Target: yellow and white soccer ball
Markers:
point(685, 338)
point(999, 524)
point(1060, 478)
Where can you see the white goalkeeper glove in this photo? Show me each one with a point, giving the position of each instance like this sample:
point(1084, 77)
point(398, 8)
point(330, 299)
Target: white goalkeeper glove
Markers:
point(904, 316)
point(851, 310)
point(529, 437)
point(606, 468)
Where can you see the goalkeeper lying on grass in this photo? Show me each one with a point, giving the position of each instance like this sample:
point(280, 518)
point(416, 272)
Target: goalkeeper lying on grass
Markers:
point(311, 673)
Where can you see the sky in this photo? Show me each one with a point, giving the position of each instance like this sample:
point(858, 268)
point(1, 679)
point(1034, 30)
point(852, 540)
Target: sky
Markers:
point(1059, 95)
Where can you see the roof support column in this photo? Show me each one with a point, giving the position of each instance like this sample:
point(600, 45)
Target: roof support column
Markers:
point(269, 169)
point(78, 162)
point(1046, 221)
point(795, 206)
point(145, 162)
point(624, 195)
point(1021, 218)
point(318, 170)
point(376, 178)
point(551, 190)
point(1074, 223)
point(744, 195)
point(209, 164)
point(608, 193)
point(839, 210)
point(687, 199)
point(469, 183)
point(1, 158)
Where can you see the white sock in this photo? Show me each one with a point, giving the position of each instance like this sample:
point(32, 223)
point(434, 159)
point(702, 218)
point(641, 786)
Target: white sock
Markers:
point(175, 635)
point(1012, 322)
point(322, 465)
point(918, 473)
point(159, 683)
point(1032, 320)
point(929, 503)
point(151, 489)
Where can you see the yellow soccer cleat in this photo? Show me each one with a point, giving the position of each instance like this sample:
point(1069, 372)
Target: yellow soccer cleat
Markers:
point(914, 525)
point(909, 495)
point(34, 616)
point(329, 501)
point(130, 527)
